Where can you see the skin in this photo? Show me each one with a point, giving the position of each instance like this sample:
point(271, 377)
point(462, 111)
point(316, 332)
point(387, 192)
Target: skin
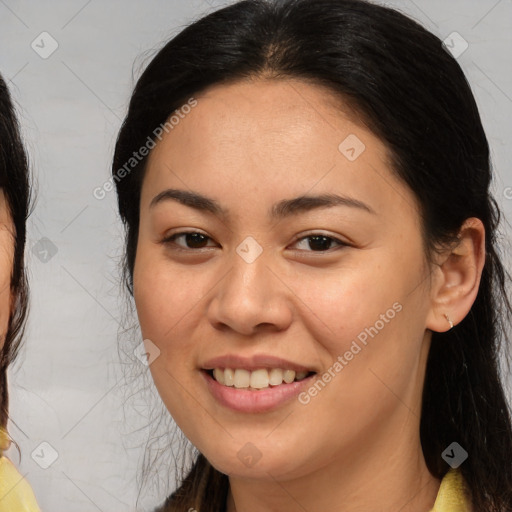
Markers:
point(7, 231)
point(355, 446)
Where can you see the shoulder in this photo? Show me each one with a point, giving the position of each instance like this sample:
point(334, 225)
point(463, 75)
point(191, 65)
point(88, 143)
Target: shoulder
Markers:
point(15, 491)
point(453, 495)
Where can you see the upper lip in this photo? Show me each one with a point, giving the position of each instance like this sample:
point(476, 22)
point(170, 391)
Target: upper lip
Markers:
point(254, 362)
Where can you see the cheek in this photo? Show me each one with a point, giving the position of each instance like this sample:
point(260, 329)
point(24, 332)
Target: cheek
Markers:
point(167, 300)
point(164, 299)
point(362, 318)
point(339, 305)
point(161, 294)
point(6, 263)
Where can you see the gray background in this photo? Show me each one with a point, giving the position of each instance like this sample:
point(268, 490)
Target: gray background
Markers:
point(67, 388)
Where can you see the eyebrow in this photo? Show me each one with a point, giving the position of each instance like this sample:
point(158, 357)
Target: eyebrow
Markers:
point(280, 210)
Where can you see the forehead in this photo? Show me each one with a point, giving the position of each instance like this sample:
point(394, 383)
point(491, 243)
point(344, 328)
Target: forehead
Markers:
point(270, 137)
point(271, 117)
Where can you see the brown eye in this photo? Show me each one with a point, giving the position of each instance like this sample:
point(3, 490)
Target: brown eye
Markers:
point(319, 243)
point(192, 240)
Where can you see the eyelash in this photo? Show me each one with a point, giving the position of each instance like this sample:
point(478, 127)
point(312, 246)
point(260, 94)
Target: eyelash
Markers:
point(171, 240)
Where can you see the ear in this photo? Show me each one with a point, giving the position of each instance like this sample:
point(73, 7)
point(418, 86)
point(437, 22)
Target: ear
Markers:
point(457, 277)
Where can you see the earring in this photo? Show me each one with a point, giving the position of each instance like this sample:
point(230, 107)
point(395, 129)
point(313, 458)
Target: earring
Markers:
point(449, 321)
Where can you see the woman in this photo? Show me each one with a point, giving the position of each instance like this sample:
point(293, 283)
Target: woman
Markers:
point(311, 248)
point(15, 492)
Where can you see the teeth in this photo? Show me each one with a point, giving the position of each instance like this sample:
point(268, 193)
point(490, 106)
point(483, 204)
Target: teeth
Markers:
point(229, 377)
point(276, 376)
point(242, 379)
point(219, 375)
point(258, 379)
point(288, 376)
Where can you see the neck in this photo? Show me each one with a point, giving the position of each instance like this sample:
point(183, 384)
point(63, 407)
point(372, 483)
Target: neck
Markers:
point(396, 479)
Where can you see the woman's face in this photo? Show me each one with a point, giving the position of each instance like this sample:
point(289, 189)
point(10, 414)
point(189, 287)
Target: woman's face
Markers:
point(6, 264)
point(336, 284)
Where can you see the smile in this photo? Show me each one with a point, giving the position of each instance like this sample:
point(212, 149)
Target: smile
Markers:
point(256, 391)
point(261, 378)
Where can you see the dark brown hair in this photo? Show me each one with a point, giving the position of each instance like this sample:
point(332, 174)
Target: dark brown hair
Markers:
point(14, 180)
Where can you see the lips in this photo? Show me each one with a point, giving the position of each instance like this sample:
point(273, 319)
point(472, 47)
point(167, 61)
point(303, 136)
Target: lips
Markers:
point(255, 362)
point(255, 401)
point(255, 384)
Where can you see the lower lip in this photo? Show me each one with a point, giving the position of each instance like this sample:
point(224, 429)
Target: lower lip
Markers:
point(245, 400)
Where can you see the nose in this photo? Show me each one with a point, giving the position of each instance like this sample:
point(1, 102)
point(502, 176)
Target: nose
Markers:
point(250, 298)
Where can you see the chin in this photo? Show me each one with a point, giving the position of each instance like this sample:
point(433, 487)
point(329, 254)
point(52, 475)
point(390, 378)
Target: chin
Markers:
point(250, 462)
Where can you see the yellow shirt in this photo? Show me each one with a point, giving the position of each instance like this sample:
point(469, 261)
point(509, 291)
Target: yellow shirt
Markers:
point(452, 495)
point(15, 492)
